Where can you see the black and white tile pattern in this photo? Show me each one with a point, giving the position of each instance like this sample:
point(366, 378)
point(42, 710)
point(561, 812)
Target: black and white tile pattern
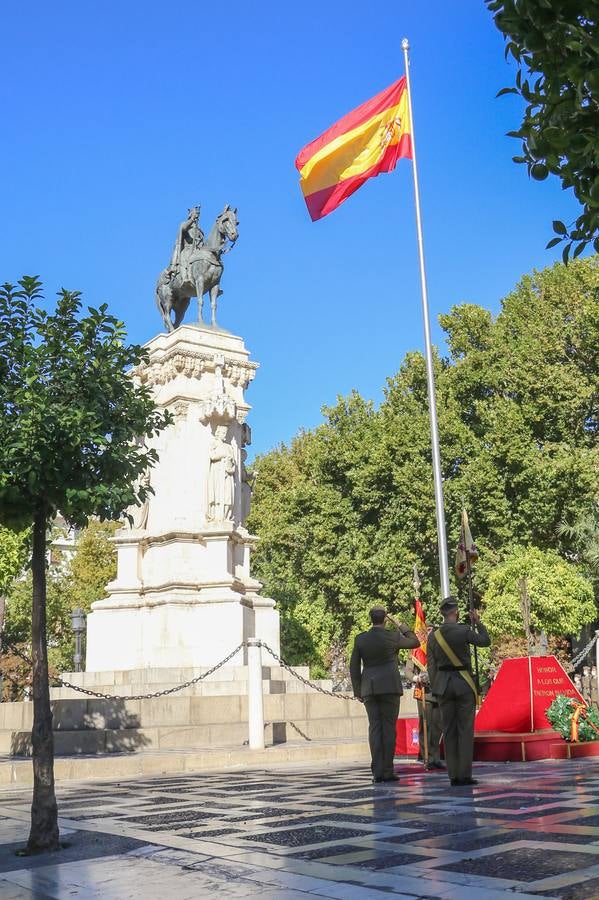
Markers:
point(527, 830)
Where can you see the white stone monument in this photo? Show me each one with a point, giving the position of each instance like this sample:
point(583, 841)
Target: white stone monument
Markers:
point(184, 595)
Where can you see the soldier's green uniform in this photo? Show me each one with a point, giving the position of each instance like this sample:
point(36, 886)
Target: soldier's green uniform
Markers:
point(452, 683)
point(429, 707)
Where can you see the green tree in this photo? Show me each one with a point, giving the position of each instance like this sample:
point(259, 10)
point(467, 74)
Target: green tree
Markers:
point(312, 552)
point(58, 619)
point(14, 548)
point(527, 387)
point(93, 564)
point(556, 46)
point(561, 599)
point(582, 539)
point(346, 510)
point(69, 417)
point(84, 581)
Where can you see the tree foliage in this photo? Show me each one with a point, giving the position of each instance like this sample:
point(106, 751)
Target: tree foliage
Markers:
point(561, 599)
point(59, 603)
point(72, 429)
point(68, 415)
point(556, 46)
point(80, 583)
point(582, 536)
point(345, 511)
point(14, 548)
point(94, 564)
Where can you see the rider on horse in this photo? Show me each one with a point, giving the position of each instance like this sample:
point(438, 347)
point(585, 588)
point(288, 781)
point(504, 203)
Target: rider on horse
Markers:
point(190, 238)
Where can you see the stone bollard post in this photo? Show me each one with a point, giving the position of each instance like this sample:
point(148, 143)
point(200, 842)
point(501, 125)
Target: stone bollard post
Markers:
point(255, 699)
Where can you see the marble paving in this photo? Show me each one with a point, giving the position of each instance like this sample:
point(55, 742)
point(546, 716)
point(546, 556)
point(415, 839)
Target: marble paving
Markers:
point(526, 830)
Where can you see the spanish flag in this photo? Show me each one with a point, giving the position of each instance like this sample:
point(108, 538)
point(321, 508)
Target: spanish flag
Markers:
point(421, 632)
point(359, 146)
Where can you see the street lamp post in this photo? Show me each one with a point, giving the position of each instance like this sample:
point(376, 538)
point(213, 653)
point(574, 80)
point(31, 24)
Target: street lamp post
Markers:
point(78, 626)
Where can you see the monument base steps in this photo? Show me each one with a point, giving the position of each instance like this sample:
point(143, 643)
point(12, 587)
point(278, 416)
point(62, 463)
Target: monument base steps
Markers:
point(208, 714)
point(19, 772)
point(230, 680)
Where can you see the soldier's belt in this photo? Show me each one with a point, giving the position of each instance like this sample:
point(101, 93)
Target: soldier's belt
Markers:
point(457, 667)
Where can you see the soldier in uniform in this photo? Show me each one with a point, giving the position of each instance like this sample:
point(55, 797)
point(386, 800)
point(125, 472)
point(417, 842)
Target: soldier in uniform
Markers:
point(428, 707)
point(377, 683)
point(429, 728)
point(452, 682)
point(586, 684)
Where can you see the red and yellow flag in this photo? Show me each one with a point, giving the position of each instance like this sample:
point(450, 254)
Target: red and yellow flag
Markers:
point(359, 146)
point(421, 632)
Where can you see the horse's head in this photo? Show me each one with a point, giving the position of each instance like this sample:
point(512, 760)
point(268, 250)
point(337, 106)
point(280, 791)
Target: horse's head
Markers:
point(228, 222)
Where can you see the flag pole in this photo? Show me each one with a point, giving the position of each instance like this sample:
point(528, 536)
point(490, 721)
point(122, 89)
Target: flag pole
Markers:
point(430, 373)
point(416, 583)
point(471, 610)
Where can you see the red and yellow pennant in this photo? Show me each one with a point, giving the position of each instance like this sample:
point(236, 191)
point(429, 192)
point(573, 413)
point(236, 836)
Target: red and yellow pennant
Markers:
point(421, 632)
point(367, 141)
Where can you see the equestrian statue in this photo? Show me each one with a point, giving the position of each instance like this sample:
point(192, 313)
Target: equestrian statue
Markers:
point(196, 267)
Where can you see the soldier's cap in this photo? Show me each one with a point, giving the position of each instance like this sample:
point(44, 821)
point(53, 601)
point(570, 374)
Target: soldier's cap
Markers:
point(448, 605)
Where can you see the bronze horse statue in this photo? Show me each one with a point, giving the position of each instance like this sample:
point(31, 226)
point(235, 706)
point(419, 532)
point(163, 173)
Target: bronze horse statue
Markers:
point(196, 267)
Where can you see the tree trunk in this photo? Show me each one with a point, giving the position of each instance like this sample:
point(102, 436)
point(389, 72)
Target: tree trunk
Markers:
point(44, 812)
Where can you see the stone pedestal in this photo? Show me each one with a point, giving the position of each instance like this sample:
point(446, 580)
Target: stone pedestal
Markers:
point(184, 595)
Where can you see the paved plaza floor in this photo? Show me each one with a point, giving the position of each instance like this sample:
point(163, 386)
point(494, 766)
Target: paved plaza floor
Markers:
point(527, 830)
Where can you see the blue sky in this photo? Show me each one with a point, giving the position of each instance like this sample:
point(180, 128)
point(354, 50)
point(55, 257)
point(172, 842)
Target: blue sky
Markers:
point(119, 116)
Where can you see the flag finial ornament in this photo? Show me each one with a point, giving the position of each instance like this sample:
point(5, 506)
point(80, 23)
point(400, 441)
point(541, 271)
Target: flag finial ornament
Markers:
point(416, 582)
point(467, 551)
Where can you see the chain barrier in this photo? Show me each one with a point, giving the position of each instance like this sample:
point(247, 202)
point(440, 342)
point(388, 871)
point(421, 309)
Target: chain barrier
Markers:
point(316, 687)
point(299, 730)
point(5, 645)
point(180, 687)
point(150, 696)
point(576, 661)
point(154, 694)
point(570, 667)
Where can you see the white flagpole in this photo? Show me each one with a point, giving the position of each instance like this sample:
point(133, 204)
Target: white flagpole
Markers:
point(430, 374)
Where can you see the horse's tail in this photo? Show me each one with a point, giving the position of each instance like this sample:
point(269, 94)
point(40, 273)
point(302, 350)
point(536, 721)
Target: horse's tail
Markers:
point(164, 303)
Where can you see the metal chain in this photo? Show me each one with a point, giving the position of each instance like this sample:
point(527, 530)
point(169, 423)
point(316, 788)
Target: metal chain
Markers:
point(179, 687)
point(299, 730)
point(5, 645)
point(306, 681)
point(575, 662)
point(164, 693)
point(152, 696)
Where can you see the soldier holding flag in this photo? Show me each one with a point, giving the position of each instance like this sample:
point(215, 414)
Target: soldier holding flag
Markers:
point(429, 716)
point(450, 669)
point(452, 683)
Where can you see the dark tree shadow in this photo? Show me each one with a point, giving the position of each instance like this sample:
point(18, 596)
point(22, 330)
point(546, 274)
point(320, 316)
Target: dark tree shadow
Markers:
point(89, 727)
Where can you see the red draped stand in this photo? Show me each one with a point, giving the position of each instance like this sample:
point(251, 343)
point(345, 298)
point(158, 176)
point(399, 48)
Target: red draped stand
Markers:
point(511, 724)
